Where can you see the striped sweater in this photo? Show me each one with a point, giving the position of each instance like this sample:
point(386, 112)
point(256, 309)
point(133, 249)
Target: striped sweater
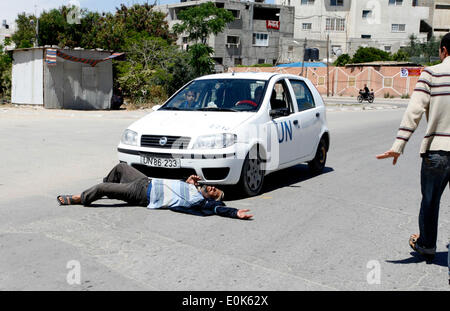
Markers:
point(432, 97)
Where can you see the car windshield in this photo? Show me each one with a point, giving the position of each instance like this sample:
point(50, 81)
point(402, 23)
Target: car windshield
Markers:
point(219, 95)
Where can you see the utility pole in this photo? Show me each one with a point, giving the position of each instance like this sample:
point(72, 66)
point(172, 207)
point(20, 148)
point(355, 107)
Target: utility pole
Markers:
point(328, 65)
point(304, 52)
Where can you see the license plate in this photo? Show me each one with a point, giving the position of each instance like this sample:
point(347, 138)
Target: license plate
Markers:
point(160, 162)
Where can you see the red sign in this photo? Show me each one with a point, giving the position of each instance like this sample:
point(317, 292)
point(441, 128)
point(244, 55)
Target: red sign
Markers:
point(414, 72)
point(410, 72)
point(273, 24)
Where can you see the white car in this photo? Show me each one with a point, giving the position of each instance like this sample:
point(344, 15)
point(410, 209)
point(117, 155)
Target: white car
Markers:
point(231, 128)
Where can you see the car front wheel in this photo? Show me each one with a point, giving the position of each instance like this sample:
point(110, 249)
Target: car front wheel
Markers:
point(252, 175)
point(317, 164)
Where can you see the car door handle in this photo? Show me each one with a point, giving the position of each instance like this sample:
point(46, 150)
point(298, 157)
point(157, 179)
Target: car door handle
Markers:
point(318, 114)
point(296, 124)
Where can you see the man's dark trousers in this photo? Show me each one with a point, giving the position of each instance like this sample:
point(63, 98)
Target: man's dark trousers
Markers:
point(123, 183)
point(435, 176)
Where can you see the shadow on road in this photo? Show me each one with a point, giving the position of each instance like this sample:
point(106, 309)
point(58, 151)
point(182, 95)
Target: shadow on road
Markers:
point(440, 259)
point(288, 177)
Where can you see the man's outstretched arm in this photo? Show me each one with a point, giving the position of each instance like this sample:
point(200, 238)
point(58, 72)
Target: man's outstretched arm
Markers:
point(419, 103)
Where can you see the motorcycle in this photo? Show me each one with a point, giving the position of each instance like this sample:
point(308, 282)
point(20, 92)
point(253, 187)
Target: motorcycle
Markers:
point(370, 97)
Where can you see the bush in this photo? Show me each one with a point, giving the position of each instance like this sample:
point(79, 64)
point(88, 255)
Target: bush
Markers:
point(342, 60)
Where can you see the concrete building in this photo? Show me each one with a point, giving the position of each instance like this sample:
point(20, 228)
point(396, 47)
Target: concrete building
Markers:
point(5, 31)
point(438, 22)
point(254, 37)
point(384, 24)
point(65, 84)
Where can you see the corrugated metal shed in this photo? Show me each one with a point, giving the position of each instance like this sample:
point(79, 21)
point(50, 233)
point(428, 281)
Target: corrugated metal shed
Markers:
point(66, 85)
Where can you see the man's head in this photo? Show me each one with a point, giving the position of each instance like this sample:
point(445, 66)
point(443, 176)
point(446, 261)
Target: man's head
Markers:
point(190, 96)
point(444, 50)
point(211, 192)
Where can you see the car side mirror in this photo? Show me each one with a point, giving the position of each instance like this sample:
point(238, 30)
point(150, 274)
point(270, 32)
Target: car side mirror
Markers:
point(156, 107)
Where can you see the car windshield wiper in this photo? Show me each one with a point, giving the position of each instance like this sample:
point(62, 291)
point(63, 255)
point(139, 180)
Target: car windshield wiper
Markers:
point(170, 108)
point(216, 109)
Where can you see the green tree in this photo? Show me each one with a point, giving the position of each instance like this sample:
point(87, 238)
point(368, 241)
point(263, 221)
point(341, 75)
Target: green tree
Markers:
point(370, 54)
point(400, 56)
point(154, 69)
point(198, 22)
point(25, 35)
point(342, 60)
point(5, 74)
point(202, 20)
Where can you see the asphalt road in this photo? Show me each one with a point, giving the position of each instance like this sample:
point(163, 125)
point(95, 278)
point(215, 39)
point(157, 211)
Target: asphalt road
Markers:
point(346, 229)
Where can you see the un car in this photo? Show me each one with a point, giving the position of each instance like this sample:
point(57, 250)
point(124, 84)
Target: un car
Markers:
point(231, 129)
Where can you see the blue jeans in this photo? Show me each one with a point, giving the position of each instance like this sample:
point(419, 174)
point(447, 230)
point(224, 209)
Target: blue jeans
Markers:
point(435, 174)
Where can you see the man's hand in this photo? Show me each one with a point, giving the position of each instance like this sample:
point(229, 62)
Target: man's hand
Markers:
point(241, 214)
point(193, 179)
point(389, 154)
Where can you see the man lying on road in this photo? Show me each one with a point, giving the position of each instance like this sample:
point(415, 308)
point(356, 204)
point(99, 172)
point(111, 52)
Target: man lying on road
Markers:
point(128, 184)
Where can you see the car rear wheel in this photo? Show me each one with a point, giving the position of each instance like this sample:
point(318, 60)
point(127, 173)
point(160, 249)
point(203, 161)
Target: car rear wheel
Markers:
point(317, 164)
point(252, 175)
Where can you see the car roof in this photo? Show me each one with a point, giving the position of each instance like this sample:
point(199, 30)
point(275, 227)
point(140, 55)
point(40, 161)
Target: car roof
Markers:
point(245, 75)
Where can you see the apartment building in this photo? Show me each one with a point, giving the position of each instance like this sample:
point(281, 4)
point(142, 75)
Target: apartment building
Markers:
point(5, 31)
point(254, 37)
point(438, 22)
point(384, 24)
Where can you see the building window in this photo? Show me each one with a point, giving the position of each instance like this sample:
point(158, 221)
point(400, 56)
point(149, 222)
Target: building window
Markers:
point(336, 2)
point(442, 6)
point(236, 13)
point(336, 50)
point(366, 36)
point(237, 61)
point(366, 13)
point(398, 27)
point(261, 61)
point(218, 60)
point(395, 2)
point(185, 40)
point(233, 40)
point(306, 26)
point(387, 48)
point(260, 39)
point(335, 24)
point(306, 2)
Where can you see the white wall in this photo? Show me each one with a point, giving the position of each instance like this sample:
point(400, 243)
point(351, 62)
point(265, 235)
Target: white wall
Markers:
point(379, 26)
point(27, 77)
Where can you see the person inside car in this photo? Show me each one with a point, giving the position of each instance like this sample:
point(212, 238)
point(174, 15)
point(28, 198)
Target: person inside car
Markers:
point(190, 100)
point(130, 185)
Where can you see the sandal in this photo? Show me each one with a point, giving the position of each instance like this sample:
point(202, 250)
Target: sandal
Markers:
point(428, 254)
point(66, 199)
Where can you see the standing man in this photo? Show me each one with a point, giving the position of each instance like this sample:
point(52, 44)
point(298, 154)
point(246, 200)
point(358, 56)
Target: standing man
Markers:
point(432, 97)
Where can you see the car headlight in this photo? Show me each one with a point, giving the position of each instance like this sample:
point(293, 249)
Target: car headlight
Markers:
point(217, 141)
point(129, 137)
